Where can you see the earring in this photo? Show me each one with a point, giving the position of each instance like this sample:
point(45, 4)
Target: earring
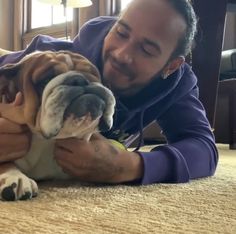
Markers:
point(164, 75)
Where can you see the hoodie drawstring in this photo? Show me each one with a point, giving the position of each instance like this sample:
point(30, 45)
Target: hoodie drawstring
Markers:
point(140, 138)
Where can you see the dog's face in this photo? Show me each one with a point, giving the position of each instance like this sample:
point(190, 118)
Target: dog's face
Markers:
point(72, 106)
point(63, 96)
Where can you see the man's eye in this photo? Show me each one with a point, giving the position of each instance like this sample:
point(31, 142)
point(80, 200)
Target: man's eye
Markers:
point(147, 51)
point(122, 33)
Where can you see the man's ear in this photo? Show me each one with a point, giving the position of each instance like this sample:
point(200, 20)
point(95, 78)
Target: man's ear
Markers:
point(172, 66)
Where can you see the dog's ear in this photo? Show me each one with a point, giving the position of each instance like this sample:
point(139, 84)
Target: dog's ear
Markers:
point(8, 83)
point(10, 70)
point(8, 91)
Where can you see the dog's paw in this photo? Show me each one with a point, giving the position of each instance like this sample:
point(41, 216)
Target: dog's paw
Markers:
point(14, 185)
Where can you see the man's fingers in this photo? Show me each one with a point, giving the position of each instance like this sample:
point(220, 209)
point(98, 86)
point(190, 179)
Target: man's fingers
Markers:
point(18, 99)
point(60, 149)
point(12, 149)
point(70, 169)
point(69, 143)
point(13, 110)
point(6, 105)
point(12, 156)
point(97, 136)
point(7, 126)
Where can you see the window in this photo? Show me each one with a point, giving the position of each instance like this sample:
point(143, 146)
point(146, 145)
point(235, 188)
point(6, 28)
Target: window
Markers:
point(124, 3)
point(51, 20)
point(47, 15)
point(53, 14)
point(46, 19)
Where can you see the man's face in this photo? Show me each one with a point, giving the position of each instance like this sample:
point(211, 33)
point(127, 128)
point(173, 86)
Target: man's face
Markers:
point(139, 45)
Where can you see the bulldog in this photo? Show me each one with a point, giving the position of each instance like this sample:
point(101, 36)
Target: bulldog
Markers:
point(62, 97)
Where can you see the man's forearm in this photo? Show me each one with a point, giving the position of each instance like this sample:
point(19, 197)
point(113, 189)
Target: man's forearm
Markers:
point(129, 167)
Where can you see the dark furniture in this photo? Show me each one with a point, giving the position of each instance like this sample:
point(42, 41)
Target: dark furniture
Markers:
point(206, 65)
point(225, 124)
point(207, 54)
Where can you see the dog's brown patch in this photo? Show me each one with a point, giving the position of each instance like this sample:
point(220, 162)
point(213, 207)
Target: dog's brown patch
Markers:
point(2, 181)
point(24, 76)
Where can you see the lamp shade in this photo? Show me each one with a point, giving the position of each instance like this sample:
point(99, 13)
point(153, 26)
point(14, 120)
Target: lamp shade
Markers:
point(69, 3)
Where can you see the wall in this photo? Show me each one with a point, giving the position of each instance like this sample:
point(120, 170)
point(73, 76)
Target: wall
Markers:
point(6, 19)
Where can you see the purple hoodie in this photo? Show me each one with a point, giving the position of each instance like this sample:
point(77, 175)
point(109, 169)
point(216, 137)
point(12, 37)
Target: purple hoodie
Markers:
point(190, 151)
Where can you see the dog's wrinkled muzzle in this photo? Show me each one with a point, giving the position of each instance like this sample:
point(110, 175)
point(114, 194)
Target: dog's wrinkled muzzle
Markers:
point(72, 107)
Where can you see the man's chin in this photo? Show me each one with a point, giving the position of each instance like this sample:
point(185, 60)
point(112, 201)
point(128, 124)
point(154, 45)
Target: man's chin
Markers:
point(123, 92)
point(116, 88)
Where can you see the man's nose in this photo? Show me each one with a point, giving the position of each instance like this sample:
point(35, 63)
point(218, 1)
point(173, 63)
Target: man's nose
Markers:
point(124, 54)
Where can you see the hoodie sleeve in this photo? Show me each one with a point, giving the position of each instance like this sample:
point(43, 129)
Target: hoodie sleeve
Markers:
point(190, 152)
point(41, 43)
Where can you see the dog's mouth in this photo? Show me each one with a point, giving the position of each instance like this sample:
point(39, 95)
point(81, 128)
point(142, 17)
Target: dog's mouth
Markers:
point(73, 107)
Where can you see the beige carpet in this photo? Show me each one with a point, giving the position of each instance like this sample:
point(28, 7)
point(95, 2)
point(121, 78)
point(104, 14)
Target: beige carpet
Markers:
point(202, 206)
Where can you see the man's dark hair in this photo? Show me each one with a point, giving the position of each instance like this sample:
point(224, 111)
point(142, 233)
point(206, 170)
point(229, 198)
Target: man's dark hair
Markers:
point(185, 9)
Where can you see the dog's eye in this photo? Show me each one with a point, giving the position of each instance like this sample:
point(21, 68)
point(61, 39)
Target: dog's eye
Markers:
point(76, 79)
point(40, 86)
point(76, 83)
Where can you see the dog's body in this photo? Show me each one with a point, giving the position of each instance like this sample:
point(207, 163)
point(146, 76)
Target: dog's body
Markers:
point(38, 163)
point(63, 100)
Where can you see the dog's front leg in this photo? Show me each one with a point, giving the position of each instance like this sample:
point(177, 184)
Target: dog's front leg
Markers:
point(14, 185)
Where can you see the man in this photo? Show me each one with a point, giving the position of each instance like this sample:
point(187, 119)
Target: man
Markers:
point(141, 59)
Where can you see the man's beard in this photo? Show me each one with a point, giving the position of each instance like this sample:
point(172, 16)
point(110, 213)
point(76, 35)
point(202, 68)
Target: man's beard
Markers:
point(125, 70)
point(117, 69)
point(134, 89)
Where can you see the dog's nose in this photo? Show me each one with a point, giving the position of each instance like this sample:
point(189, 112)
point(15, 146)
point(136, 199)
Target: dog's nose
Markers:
point(87, 103)
point(49, 135)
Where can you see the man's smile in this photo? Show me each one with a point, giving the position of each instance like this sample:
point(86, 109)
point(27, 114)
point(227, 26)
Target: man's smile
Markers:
point(118, 68)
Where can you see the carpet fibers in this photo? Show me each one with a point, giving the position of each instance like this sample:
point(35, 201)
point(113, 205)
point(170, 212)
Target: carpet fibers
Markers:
point(201, 206)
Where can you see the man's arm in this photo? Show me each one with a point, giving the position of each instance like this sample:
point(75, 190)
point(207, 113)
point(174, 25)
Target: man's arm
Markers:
point(41, 43)
point(14, 139)
point(98, 160)
point(190, 151)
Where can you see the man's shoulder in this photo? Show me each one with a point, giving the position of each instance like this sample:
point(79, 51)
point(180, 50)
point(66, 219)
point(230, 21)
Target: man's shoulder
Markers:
point(90, 39)
point(98, 24)
point(101, 20)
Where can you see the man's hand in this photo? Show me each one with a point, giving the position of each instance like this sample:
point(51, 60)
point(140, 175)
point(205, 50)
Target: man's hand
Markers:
point(14, 138)
point(97, 160)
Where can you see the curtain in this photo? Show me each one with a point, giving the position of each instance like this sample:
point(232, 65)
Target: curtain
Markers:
point(99, 7)
point(11, 13)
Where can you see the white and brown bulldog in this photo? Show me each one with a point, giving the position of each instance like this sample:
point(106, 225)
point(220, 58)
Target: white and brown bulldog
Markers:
point(63, 97)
